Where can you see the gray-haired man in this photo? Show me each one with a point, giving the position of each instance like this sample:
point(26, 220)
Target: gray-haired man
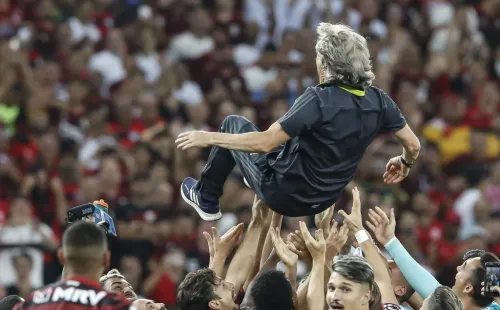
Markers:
point(301, 164)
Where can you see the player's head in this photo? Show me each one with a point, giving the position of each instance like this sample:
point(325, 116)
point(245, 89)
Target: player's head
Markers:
point(443, 298)
point(12, 302)
point(473, 253)
point(147, 304)
point(402, 289)
point(342, 55)
point(114, 281)
point(271, 290)
point(84, 250)
point(469, 277)
point(203, 290)
point(351, 284)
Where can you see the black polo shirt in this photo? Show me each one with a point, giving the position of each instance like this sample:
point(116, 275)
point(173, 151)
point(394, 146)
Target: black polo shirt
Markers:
point(330, 128)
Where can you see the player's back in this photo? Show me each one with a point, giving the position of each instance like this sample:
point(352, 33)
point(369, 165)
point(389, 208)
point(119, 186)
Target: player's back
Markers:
point(330, 128)
point(76, 294)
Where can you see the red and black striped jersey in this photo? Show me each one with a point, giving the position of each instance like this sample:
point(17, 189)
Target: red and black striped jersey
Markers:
point(76, 294)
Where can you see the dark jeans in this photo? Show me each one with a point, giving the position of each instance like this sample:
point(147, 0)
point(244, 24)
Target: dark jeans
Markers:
point(222, 161)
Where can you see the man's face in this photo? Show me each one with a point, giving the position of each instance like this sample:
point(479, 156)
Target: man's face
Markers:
point(346, 294)
point(463, 283)
point(120, 286)
point(146, 304)
point(225, 291)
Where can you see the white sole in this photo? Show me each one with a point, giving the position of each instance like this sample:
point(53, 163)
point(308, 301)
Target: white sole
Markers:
point(246, 183)
point(204, 216)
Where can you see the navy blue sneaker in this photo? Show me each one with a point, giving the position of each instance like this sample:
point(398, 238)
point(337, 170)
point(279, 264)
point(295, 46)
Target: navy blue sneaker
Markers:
point(207, 210)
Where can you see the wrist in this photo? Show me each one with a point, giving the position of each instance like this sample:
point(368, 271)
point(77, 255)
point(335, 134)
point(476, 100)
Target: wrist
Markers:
point(361, 236)
point(211, 138)
point(388, 242)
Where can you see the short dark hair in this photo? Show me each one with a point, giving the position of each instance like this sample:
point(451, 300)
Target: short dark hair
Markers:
point(478, 275)
point(443, 298)
point(81, 242)
point(8, 303)
point(272, 291)
point(197, 290)
point(84, 234)
point(473, 253)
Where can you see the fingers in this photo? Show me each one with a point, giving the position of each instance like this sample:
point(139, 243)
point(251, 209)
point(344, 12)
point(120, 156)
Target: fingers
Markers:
point(356, 201)
point(215, 233)
point(346, 217)
point(319, 236)
point(209, 238)
point(382, 215)
point(306, 235)
point(370, 226)
point(375, 217)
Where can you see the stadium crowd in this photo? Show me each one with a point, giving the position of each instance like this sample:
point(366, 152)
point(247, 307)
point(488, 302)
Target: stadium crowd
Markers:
point(94, 93)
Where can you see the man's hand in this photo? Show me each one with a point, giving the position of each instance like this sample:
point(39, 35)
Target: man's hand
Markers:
point(354, 220)
point(288, 257)
point(195, 138)
point(316, 246)
point(259, 211)
point(222, 246)
point(323, 220)
point(395, 171)
point(336, 240)
point(382, 226)
point(299, 247)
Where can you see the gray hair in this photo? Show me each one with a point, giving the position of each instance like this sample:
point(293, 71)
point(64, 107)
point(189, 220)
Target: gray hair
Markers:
point(444, 298)
point(354, 268)
point(344, 55)
point(113, 273)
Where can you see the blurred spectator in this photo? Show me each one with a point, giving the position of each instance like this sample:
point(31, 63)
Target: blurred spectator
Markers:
point(94, 93)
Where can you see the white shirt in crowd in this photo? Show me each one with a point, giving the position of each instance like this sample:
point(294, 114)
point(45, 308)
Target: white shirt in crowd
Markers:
point(187, 46)
point(19, 235)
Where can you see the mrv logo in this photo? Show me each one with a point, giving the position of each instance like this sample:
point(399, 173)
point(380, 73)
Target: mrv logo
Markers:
point(70, 294)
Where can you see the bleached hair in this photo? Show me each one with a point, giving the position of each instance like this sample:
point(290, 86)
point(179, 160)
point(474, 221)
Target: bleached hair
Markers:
point(344, 55)
point(113, 273)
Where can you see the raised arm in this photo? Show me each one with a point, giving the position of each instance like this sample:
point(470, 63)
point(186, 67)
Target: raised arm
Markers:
point(245, 256)
point(220, 247)
point(417, 276)
point(372, 255)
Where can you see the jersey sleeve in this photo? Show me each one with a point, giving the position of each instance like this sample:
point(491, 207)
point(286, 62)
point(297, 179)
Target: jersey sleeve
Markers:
point(393, 118)
point(304, 115)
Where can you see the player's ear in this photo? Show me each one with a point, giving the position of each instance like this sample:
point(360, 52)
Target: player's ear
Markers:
point(60, 256)
point(107, 259)
point(214, 304)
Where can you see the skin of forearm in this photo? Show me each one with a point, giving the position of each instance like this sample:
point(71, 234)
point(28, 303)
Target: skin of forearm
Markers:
point(255, 142)
point(382, 276)
point(245, 257)
point(410, 155)
point(256, 264)
point(291, 275)
point(315, 292)
point(217, 264)
point(276, 220)
point(302, 294)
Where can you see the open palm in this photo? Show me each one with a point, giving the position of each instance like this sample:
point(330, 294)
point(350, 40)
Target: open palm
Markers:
point(382, 226)
point(288, 257)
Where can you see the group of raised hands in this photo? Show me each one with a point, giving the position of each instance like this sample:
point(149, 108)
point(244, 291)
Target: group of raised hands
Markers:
point(316, 249)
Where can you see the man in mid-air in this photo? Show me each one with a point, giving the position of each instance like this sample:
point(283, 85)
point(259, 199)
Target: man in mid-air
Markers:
point(301, 164)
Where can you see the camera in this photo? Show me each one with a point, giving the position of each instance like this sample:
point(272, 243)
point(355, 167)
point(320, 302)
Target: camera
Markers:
point(96, 212)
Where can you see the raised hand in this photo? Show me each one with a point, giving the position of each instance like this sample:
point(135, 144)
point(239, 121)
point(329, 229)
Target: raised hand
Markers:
point(222, 246)
point(336, 240)
point(395, 171)
point(259, 211)
point(354, 220)
point(316, 246)
point(323, 220)
point(190, 139)
point(287, 256)
point(299, 247)
point(382, 226)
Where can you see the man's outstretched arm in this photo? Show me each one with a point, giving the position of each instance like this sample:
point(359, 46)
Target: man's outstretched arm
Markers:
point(304, 115)
point(242, 262)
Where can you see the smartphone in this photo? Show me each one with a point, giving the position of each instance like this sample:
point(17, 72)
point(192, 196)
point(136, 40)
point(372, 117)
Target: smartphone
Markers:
point(492, 278)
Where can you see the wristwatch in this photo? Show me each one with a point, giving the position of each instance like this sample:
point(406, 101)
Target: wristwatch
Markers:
point(404, 162)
